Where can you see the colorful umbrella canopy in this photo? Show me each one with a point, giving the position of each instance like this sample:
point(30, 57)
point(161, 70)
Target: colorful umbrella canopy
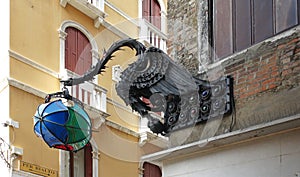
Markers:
point(62, 127)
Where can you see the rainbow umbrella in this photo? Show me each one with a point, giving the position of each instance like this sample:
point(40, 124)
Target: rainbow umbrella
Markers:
point(62, 127)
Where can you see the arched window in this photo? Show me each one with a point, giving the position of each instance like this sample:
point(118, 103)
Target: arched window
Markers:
point(78, 51)
point(152, 12)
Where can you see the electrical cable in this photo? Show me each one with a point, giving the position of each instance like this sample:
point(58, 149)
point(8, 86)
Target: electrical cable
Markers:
point(233, 116)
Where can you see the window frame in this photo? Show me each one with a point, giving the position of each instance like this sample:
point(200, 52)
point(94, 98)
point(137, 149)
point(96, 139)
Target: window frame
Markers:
point(233, 39)
point(64, 73)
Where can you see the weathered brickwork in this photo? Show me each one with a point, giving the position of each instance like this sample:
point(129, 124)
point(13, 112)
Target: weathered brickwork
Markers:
point(266, 77)
point(267, 80)
point(273, 66)
point(182, 30)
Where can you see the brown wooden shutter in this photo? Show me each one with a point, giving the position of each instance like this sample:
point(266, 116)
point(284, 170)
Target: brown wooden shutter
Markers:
point(78, 55)
point(152, 12)
point(156, 14)
point(71, 49)
point(71, 164)
point(151, 170)
point(146, 9)
point(88, 161)
point(80, 52)
point(238, 24)
point(84, 54)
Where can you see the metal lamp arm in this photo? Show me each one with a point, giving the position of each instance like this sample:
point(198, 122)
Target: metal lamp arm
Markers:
point(100, 66)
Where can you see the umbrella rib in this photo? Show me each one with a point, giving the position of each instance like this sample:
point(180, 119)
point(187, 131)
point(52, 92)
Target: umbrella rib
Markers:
point(88, 122)
point(54, 113)
point(37, 118)
point(52, 131)
point(41, 129)
point(64, 125)
point(78, 128)
point(53, 122)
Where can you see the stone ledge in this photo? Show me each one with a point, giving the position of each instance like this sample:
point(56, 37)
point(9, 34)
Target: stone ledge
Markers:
point(238, 136)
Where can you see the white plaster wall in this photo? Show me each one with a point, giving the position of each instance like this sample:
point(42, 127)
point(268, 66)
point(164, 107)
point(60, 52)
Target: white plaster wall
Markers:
point(4, 73)
point(272, 156)
point(23, 174)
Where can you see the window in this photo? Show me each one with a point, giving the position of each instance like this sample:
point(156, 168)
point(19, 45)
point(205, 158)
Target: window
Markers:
point(78, 59)
point(77, 51)
point(151, 170)
point(81, 162)
point(238, 24)
point(152, 12)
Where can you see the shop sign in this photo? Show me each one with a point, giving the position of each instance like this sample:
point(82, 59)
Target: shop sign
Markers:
point(36, 169)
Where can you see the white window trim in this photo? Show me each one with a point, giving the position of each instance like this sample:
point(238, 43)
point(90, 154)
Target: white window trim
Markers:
point(64, 164)
point(116, 73)
point(95, 157)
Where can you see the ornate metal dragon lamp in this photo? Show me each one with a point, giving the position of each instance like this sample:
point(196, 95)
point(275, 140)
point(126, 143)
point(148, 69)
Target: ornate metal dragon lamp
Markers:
point(155, 83)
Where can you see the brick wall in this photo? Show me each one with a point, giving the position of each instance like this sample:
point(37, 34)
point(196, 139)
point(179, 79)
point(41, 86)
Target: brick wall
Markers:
point(268, 67)
point(267, 79)
point(266, 87)
point(266, 75)
point(182, 30)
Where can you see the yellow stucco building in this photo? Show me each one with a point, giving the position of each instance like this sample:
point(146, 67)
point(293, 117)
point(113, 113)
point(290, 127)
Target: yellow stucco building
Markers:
point(36, 53)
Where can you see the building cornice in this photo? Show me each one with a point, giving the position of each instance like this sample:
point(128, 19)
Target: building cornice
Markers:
point(22, 86)
point(217, 142)
point(122, 128)
point(115, 30)
point(121, 13)
point(31, 63)
point(109, 100)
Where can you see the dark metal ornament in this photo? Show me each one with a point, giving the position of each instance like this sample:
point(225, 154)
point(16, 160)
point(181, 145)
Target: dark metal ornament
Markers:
point(168, 88)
